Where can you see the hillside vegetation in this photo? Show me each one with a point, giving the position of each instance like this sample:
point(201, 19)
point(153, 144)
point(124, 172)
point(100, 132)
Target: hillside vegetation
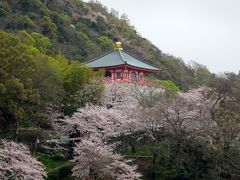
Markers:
point(82, 31)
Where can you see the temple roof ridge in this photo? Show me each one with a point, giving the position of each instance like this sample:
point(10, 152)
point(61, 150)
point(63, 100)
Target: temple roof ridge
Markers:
point(120, 53)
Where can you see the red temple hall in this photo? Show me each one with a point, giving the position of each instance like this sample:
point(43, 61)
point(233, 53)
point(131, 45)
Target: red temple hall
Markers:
point(122, 66)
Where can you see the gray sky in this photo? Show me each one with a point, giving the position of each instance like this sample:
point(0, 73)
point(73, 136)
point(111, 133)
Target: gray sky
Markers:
point(206, 31)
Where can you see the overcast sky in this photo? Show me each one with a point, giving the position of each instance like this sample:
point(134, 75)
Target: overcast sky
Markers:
point(205, 31)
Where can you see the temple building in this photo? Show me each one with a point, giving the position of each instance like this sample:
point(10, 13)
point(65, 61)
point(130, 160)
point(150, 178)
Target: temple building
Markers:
point(122, 66)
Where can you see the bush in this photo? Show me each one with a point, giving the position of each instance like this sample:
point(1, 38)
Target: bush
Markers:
point(171, 88)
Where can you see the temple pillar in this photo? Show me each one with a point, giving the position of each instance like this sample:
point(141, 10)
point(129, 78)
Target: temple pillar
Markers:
point(125, 75)
point(114, 75)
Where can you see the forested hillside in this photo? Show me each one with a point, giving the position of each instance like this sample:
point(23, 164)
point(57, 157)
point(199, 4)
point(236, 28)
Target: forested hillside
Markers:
point(81, 31)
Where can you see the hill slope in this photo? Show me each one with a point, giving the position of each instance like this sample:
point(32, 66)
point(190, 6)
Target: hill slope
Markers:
point(81, 31)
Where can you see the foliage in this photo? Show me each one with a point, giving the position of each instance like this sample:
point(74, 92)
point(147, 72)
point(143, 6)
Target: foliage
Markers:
point(17, 67)
point(105, 43)
point(75, 78)
point(170, 87)
point(49, 28)
point(41, 42)
point(31, 82)
point(202, 76)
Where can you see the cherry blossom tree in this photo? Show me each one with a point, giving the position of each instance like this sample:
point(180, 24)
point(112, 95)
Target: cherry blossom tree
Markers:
point(16, 162)
point(92, 156)
point(97, 160)
point(113, 116)
point(95, 121)
point(120, 96)
point(185, 113)
point(94, 124)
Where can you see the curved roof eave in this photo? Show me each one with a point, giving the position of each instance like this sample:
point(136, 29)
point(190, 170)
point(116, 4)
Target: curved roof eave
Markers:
point(128, 65)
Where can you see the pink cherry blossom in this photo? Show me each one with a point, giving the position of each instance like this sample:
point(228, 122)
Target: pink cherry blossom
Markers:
point(16, 160)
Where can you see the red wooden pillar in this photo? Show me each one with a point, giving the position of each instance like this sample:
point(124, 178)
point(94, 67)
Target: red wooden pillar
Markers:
point(129, 75)
point(114, 75)
point(125, 74)
point(121, 74)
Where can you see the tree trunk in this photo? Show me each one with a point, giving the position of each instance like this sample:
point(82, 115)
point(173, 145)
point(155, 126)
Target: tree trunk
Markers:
point(37, 139)
point(133, 150)
point(153, 165)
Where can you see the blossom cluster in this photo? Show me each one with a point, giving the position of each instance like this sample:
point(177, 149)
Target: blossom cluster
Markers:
point(17, 162)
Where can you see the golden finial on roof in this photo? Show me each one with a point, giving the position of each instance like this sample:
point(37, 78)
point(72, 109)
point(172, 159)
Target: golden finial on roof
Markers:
point(118, 46)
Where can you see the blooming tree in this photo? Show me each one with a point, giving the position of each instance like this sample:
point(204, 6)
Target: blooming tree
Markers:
point(185, 113)
point(113, 116)
point(94, 124)
point(95, 159)
point(16, 162)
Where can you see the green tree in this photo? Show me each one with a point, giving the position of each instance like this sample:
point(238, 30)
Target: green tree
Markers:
point(42, 43)
point(17, 66)
point(171, 88)
point(105, 43)
point(49, 28)
point(36, 40)
point(75, 78)
point(29, 82)
point(202, 76)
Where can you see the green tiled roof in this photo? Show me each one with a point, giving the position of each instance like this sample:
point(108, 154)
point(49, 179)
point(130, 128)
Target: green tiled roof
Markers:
point(119, 57)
